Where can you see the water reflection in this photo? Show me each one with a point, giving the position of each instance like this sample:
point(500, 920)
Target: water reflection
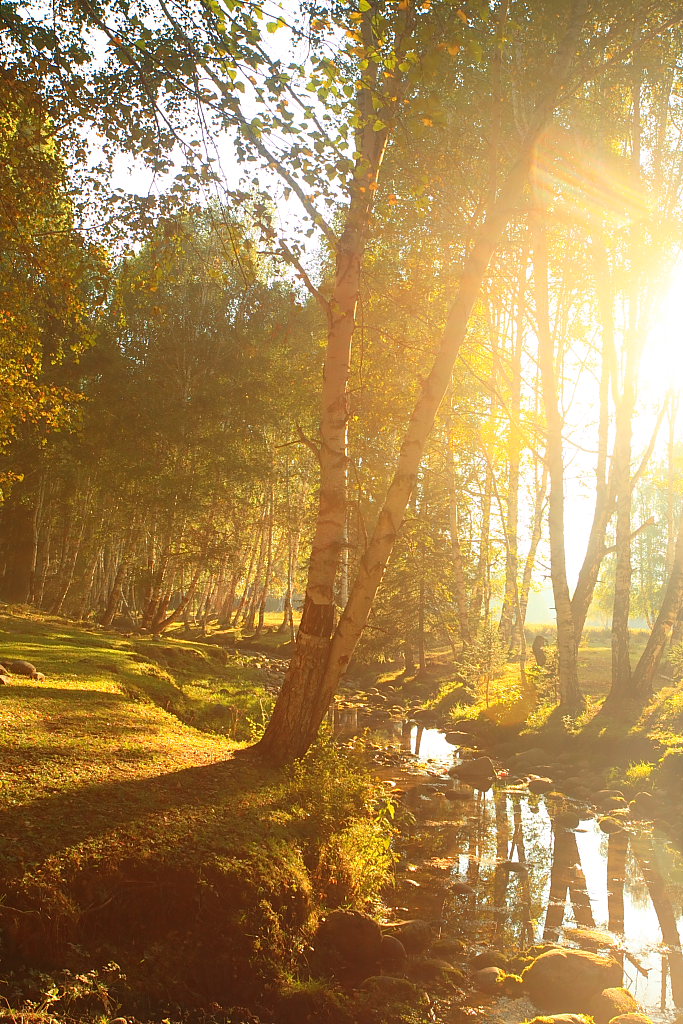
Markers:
point(535, 878)
point(393, 733)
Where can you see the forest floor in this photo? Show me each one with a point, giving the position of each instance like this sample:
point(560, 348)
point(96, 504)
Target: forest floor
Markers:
point(148, 870)
point(143, 865)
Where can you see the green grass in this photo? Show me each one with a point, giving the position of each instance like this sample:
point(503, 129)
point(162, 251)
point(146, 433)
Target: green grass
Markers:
point(130, 835)
point(199, 682)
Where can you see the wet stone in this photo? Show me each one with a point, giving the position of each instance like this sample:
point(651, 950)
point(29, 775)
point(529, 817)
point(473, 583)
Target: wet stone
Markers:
point(610, 825)
point(564, 980)
point(489, 980)
point(354, 937)
point(431, 971)
point(631, 1018)
point(398, 990)
point(540, 785)
point(562, 1018)
point(392, 952)
point(416, 935)
point(488, 958)
point(609, 1003)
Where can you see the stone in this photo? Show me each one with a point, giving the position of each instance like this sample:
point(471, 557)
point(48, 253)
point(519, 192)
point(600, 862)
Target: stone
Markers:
point(430, 971)
point(489, 979)
point(459, 739)
point(392, 952)
point(354, 937)
point(425, 717)
point(643, 805)
point(564, 980)
point(611, 1002)
point(531, 758)
point(631, 1018)
point(449, 948)
point(540, 785)
point(416, 935)
point(610, 799)
point(562, 1018)
point(610, 824)
point(23, 668)
point(474, 771)
point(567, 818)
point(489, 958)
point(398, 990)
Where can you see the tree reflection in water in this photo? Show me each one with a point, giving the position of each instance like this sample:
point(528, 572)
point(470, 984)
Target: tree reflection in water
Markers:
point(566, 878)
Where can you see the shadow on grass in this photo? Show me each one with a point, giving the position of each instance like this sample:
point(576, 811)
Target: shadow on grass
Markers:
point(54, 823)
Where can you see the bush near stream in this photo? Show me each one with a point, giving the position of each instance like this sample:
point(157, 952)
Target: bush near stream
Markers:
point(143, 867)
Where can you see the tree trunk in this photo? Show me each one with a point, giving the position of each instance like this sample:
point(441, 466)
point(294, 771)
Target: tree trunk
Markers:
point(115, 593)
point(269, 565)
point(530, 562)
point(570, 694)
point(510, 596)
point(621, 660)
point(670, 609)
point(20, 540)
point(317, 665)
point(459, 582)
point(604, 488)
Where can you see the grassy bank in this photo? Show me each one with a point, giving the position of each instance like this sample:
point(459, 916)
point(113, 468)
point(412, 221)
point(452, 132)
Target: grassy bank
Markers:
point(131, 837)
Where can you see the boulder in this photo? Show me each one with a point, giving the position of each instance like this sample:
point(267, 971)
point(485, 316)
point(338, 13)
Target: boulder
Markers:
point(564, 980)
point(489, 958)
point(611, 1002)
point(610, 799)
point(425, 717)
point(610, 824)
point(631, 1018)
point(459, 739)
point(449, 948)
point(562, 1018)
point(643, 805)
point(531, 758)
point(475, 770)
point(392, 952)
point(567, 818)
point(397, 990)
point(23, 668)
point(540, 785)
point(415, 935)
point(353, 937)
point(429, 971)
point(489, 979)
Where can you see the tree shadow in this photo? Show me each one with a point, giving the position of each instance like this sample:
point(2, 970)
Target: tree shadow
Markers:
point(50, 824)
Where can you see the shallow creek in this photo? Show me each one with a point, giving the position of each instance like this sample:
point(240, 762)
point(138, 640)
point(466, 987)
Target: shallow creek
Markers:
point(498, 870)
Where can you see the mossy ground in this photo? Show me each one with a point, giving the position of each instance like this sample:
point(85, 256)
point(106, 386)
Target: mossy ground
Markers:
point(129, 835)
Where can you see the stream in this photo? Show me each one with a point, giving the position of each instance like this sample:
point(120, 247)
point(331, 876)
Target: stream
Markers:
point(505, 869)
